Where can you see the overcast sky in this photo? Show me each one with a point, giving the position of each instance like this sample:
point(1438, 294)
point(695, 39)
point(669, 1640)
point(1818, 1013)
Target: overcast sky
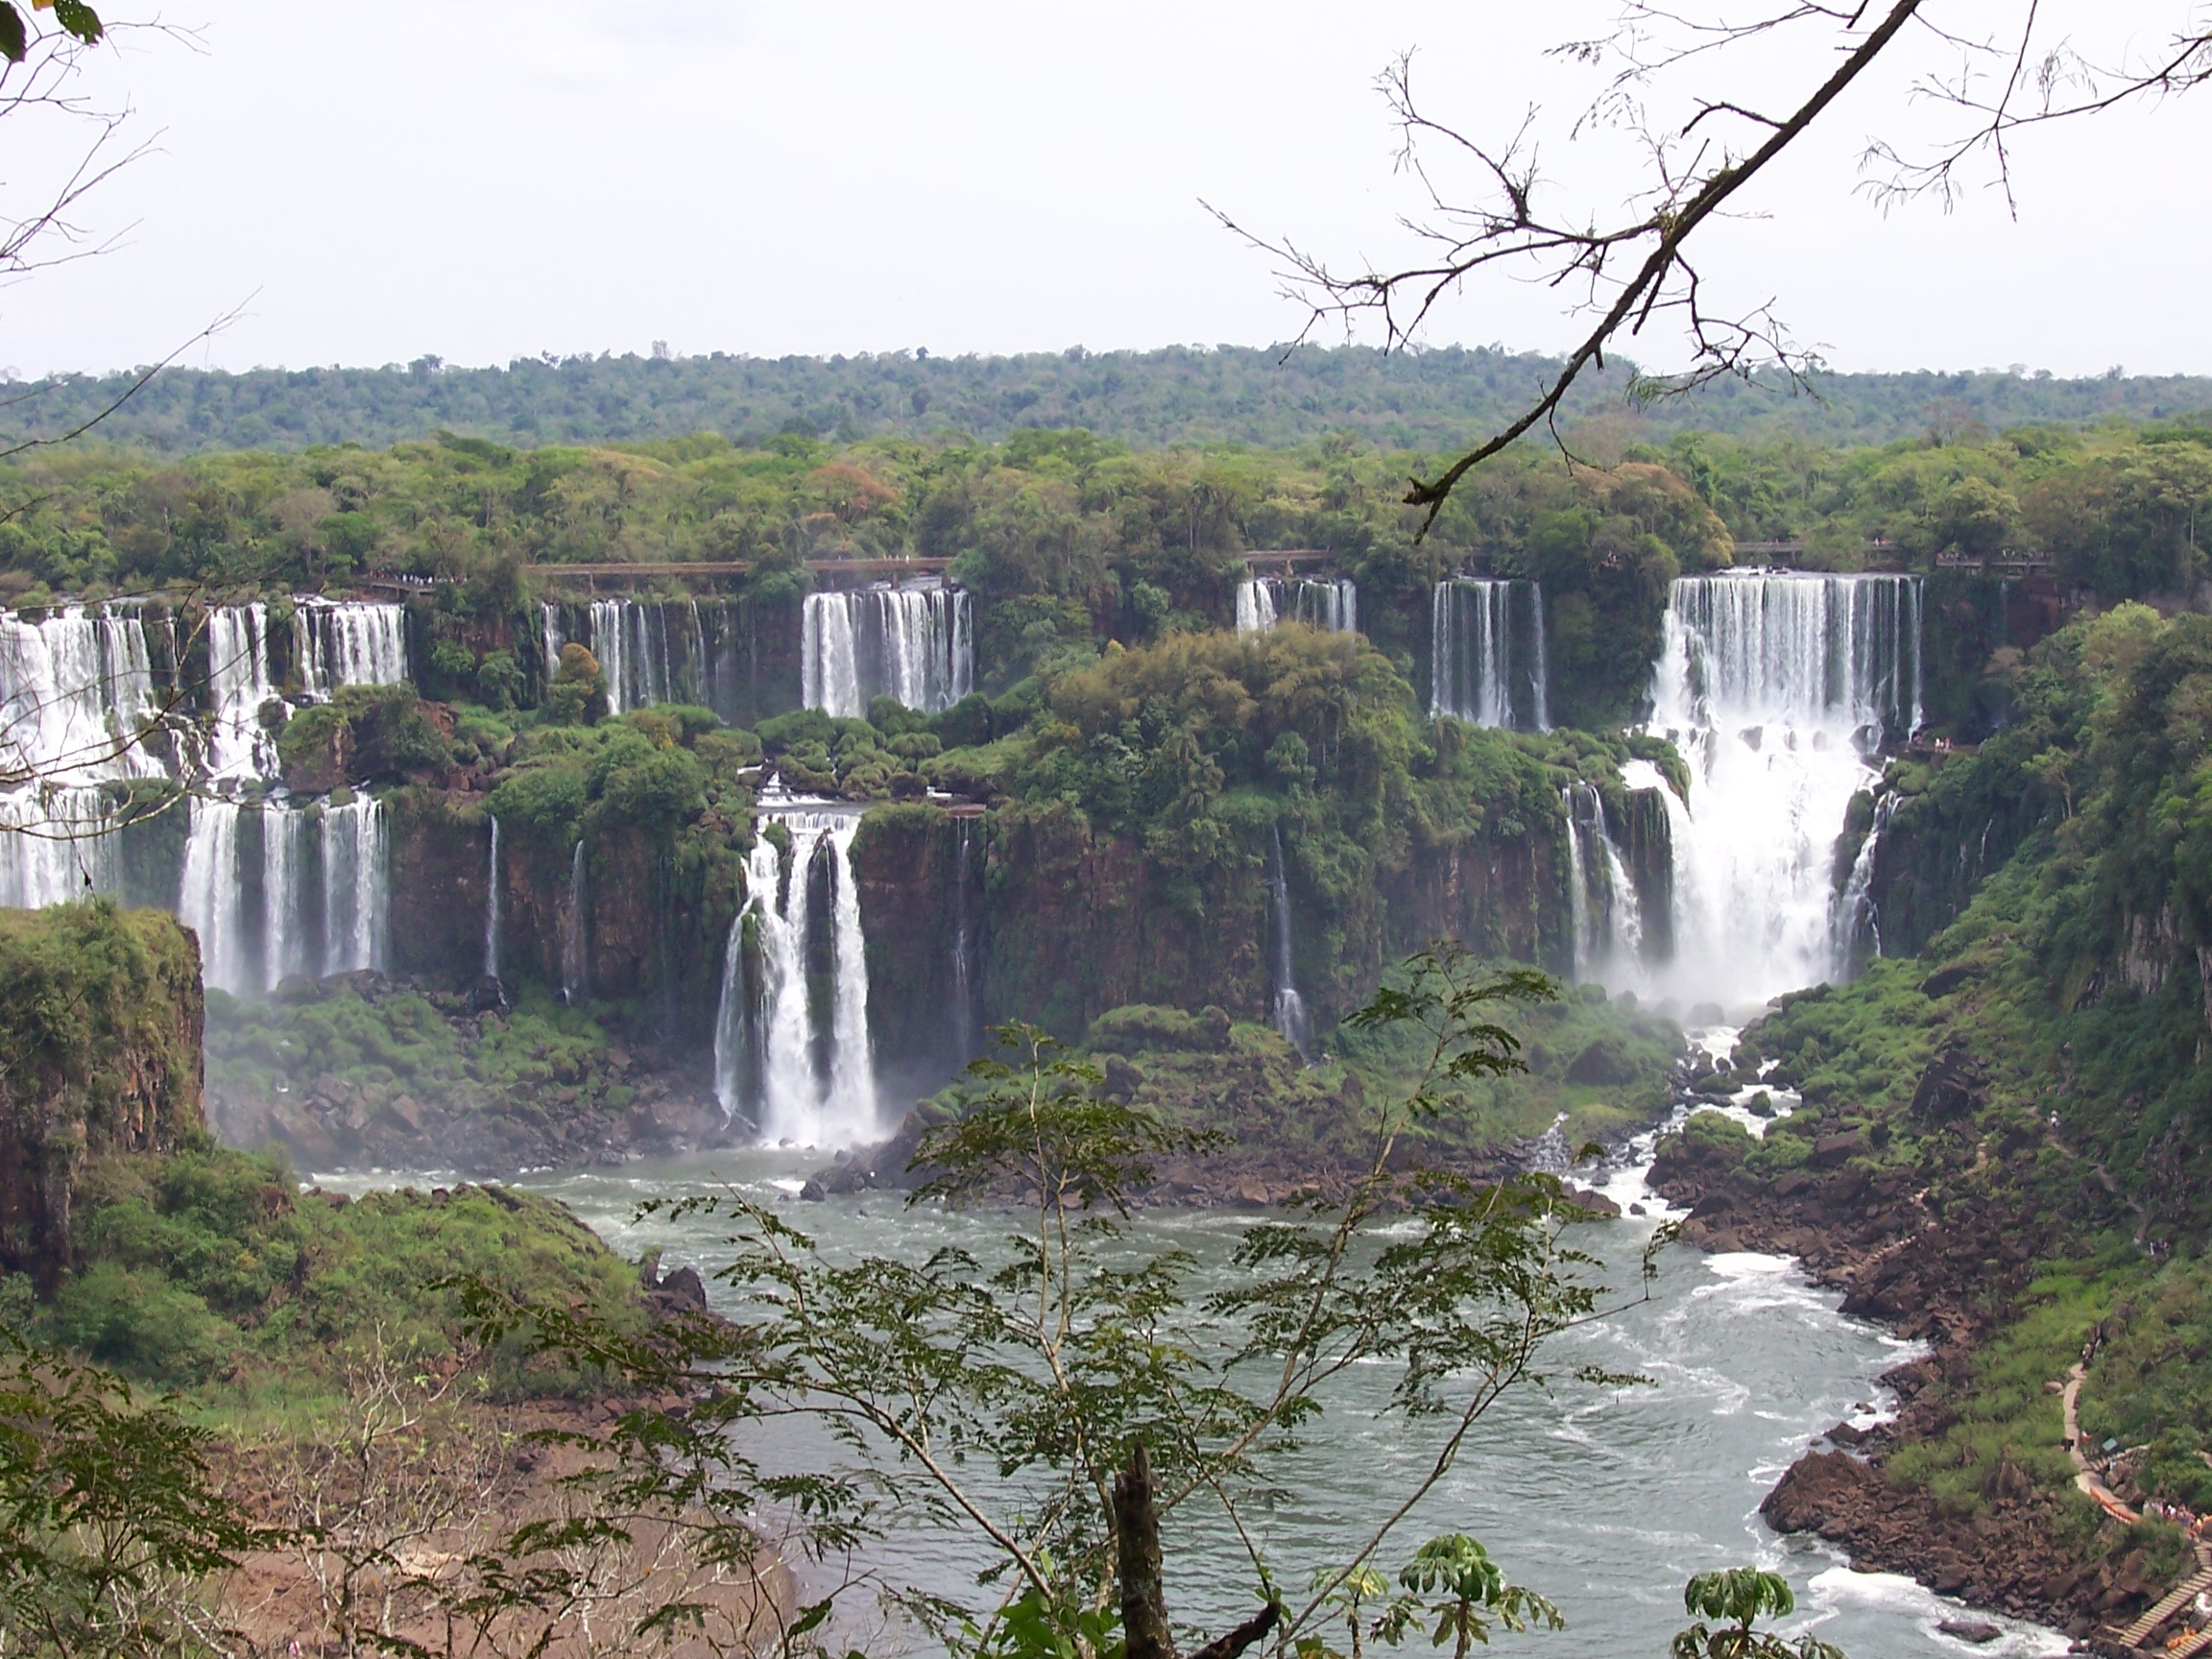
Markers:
point(492, 179)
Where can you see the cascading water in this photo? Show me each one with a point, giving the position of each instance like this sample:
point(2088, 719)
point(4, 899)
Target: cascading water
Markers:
point(1606, 909)
point(1488, 664)
point(348, 643)
point(575, 923)
point(355, 902)
point(1289, 1009)
point(967, 980)
point(1777, 688)
point(492, 906)
point(76, 693)
point(208, 901)
point(1856, 926)
point(238, 685)
point(914, 643)
point(803, 1057)
point(284, 861)
point(1328, 607)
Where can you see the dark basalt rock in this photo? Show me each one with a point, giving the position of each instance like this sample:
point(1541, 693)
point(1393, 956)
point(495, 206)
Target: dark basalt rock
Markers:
point(1950, 1088)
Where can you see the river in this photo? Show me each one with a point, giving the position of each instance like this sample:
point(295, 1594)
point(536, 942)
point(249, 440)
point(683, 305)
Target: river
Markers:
point(1606, 1501)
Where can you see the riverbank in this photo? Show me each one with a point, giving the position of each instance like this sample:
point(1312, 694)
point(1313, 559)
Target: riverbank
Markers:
point(1946, 1282)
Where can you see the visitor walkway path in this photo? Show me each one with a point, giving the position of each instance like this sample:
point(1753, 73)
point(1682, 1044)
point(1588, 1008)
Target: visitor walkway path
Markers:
point(2176, 1599)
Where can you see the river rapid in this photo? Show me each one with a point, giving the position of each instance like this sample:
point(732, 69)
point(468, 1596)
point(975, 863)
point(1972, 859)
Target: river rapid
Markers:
point(1604, 1499)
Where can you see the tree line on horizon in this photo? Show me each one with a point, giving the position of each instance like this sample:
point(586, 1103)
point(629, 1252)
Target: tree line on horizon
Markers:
point(1274, 395)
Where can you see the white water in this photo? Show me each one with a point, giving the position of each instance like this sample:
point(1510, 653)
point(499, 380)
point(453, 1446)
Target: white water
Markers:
point(284, 856)
point(207, 901)
point(1778, 690)
point(1289, 1009)
point(575, 923)
point(357, 904)
point(237, 745)
point(1329, 607)
point(492, 906)
point(914, 643)
point(808, 1068)
point(348, 643)
point(967, 979)
point(75, 692)
point(1488, 663)
point(1856, 929)
point(1607, 912)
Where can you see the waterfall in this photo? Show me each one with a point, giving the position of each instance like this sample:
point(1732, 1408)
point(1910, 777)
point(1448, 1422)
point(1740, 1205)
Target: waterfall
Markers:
point(238, 685)
point(75, 690)
point(549, 619)
point(967, 980)
point(1856, 929)
point(1606, 907)
point(1289, 1009)
point(348, 643)
point(284, 859)
point(1777, 688)
point(1478, 631)
point(355, 901)
point(575, 921)
point(610, 645)
point(1255, 604)
point(815, 1076)
point(208, 899)
point(1330, 606)
point(492, 906)
point(915, 644)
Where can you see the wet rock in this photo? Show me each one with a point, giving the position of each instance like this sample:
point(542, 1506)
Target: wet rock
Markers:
point(1832, 1150)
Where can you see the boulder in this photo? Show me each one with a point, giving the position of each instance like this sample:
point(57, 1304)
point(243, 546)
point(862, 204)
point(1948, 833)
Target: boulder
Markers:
point(1951, 1088)
point(1831, 1150)
point(1822, 1489)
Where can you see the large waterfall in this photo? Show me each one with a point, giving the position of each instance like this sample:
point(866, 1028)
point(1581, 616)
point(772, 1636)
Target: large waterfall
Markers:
point(914, 643)
point(1778, 690)
point(791, 1046)
point(94, 698)
point(1330, 606)
point(277, 892)
point(1487, 660)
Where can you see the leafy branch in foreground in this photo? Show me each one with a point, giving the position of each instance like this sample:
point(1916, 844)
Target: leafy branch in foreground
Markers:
point(1055, 1392)
point(1742, 1597)
point(109, 1518)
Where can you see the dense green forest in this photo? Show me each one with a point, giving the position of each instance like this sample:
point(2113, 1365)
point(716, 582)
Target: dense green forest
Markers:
point(1272, 396)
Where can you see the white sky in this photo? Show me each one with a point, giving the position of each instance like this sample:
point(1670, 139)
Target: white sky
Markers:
point(492, 179)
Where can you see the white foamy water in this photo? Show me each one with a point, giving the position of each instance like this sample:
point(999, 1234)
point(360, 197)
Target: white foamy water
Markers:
point(914, 643)
point(1778, 688)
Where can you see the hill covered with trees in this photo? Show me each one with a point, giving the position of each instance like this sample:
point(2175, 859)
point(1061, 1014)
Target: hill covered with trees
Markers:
point(1269, 396)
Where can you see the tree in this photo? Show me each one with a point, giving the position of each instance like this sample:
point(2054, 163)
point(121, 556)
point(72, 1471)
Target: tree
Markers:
point(1053, 1396)
point(1704, 144)
point(1741, 1596)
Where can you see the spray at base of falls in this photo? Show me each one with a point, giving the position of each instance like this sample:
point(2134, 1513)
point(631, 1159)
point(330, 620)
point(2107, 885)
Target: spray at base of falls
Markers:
point(1778, 690)
point(1488, 662)
point(1328, 607)
point(1289, 1009)
point(796, 1070)
point(915, 644)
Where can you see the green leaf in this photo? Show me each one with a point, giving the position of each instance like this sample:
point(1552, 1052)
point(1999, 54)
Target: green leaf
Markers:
point(12, 43)
point(78, 18)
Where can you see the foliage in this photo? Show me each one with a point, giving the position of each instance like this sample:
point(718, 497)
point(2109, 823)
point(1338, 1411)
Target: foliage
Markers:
point(1741, 1596)
point(207, 1269)
point(109, 1513)
point(996, 1389)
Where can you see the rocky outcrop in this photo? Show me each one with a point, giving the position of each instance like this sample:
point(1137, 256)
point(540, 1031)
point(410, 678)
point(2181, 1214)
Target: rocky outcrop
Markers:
point(99, 1054)
point(1943, 1277)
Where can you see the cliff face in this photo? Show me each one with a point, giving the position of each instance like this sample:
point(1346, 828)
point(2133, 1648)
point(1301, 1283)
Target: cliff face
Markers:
point(101, 1051)
point(656, 912)
point(1062, 923)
